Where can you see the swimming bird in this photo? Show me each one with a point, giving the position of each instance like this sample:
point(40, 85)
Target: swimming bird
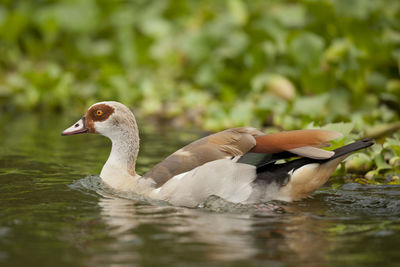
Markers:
point(240, 165)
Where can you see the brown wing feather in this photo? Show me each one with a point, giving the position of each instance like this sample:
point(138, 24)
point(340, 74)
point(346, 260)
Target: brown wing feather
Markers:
point(284, 141)
point(228, 143)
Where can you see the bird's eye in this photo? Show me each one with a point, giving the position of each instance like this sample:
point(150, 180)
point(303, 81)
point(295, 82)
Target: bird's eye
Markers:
point(99, 112)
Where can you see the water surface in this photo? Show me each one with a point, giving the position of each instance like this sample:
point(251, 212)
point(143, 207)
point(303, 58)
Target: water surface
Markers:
point(54, 212)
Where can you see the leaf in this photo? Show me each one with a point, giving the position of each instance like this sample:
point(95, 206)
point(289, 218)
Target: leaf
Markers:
point(337, 50)
point(396, 55)
point(358, 162)
point(311, 105)
point(242, 114)
point(344, 128)
point(393, 144)
point(238, 11)
point(293, 15)
point(307, 49)
point(381, 163)
point(358, 9)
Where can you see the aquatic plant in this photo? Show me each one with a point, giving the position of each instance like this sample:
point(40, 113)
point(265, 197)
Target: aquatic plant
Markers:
point(214, 64)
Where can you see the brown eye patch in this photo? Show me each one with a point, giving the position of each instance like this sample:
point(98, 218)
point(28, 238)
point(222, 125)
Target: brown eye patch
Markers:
point(99, 112)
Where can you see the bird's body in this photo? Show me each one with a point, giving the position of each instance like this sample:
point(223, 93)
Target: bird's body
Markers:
point(237, 164)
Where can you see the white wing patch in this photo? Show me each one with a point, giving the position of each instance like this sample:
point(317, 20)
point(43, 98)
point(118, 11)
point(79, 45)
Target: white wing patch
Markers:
point(312, 152)
point(184, 153)
point(224, 178)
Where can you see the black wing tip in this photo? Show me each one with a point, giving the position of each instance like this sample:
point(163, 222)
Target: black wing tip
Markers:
point(368, 140)
point(357, 145)
point(364, 143)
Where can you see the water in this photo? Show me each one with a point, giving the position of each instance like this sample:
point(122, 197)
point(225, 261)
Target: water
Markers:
point(55, 212)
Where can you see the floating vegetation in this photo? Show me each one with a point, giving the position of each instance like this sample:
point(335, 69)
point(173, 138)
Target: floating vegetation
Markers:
point(214, 64)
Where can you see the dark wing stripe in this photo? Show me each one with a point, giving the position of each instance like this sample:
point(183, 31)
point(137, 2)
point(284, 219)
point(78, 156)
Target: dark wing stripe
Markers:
point(259, 160)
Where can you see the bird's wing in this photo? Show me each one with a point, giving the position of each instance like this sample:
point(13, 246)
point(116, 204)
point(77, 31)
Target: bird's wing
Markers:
point(237, 142)
point(225, 144)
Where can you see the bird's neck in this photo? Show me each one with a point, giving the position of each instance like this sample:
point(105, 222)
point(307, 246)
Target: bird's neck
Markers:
point(119, 170)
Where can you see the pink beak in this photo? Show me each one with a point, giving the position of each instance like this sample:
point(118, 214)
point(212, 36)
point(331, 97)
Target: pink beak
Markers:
point(78, 128)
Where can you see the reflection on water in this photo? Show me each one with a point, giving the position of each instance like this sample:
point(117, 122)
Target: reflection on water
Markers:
point(51, 216)
point(225, 235)
point(206, 237)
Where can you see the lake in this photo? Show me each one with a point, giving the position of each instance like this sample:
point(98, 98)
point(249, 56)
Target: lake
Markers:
point(55, 212)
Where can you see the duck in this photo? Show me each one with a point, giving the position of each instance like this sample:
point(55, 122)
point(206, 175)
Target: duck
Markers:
point(239, 165)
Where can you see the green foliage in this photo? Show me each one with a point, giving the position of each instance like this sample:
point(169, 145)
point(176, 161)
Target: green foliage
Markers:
point(217, 64)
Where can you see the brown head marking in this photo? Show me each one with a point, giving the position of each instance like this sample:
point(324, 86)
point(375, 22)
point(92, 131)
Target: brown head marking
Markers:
point(99, 112)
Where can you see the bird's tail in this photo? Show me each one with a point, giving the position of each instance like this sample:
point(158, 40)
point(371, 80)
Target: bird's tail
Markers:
point(308, 175)
point(299, 178)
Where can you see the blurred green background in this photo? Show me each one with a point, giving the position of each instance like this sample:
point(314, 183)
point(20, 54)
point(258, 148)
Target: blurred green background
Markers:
point(214, 64)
